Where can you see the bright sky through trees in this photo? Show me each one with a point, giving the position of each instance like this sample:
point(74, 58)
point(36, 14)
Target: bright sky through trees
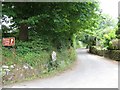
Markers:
point(110, 7)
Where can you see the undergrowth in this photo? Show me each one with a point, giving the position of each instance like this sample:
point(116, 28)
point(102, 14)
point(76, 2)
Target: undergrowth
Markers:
point(38, 58)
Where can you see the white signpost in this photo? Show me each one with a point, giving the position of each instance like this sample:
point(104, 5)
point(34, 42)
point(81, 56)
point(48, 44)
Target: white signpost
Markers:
point(53, 56)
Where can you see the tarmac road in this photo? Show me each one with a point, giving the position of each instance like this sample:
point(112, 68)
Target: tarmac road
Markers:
point(90, 71)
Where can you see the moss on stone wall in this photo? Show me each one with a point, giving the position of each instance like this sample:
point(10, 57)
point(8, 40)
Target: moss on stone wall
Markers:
point(112, 54)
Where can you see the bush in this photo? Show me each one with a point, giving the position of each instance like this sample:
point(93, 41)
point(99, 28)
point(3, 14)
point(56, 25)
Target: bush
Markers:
point(35, 59)
point(39, 60)
point(114, 44)
point(66, 57)
point(8, 56)
point(32, 46)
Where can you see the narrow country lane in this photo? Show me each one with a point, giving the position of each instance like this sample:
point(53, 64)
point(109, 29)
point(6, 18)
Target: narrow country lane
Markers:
point(91, 71)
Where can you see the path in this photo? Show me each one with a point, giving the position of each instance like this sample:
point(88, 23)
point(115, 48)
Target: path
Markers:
point(91, 71)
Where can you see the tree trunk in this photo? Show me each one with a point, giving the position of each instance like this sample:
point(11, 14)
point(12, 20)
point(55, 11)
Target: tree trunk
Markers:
point(23, 33)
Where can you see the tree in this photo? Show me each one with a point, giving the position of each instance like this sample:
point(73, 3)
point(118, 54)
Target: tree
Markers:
point(59, 21)
point(118, 31)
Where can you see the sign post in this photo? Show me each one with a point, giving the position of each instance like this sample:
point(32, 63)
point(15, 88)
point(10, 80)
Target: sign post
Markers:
point(9, 42)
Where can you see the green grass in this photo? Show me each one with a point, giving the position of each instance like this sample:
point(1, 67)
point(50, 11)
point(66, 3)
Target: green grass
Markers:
point(39, 61)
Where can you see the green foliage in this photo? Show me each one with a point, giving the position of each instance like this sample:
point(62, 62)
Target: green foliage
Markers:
point(100, 35)
point(41, 60)
point(37, 60)
point(66, 57)
point(105, 36)
point(114, 44)
point(108, 37)
point(52, 26)
point(36, 44)
point(59, 21)
point(118, 30)
point(8, 57)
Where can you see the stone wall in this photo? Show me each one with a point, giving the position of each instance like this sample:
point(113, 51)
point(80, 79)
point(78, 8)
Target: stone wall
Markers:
point(112, 54)
point(15, 73)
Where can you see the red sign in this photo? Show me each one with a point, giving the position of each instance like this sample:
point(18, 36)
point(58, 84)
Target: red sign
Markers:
point(8, 41)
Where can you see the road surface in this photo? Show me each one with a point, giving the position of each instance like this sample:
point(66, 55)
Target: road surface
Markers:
point(91, 71)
